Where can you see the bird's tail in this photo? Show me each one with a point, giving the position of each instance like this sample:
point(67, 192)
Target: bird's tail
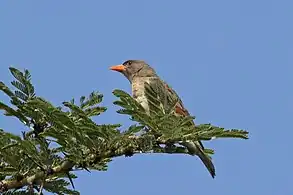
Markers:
point(207, 162)
point(195, 148)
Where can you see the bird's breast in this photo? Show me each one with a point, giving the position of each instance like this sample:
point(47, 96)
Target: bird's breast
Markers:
point(138, 91)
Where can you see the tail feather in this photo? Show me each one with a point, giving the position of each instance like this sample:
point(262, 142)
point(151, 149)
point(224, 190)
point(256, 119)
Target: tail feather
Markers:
point(196, 149)
point(207, 162)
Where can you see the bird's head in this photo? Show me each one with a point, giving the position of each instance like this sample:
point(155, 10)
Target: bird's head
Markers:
point(134, 68)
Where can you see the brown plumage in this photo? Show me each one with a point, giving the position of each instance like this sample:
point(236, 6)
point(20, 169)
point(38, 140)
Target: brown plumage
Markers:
point(138, 73)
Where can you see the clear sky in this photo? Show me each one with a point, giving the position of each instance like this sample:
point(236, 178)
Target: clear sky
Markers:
point(230, 61)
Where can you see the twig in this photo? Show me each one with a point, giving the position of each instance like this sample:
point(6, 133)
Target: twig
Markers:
point(67, 165)
point(12, 184)
point(42, 187)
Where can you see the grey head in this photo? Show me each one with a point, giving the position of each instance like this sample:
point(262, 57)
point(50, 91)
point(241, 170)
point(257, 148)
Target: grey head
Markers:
point(134, 68)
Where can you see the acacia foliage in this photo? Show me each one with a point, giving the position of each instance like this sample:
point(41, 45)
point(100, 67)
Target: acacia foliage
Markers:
point(60, 140)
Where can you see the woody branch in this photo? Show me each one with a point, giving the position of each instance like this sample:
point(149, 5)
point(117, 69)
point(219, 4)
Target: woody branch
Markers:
point(67, 165)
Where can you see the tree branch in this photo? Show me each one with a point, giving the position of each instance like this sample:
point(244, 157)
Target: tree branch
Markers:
point(36, 178)
point(67, 165)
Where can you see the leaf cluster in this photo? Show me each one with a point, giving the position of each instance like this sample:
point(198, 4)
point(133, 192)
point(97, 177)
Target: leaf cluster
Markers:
point(163, 124)
point(61, 139)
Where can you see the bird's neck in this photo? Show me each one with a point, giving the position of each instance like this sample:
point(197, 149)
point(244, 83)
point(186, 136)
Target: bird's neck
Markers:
point(141, 79)
point(138, 85)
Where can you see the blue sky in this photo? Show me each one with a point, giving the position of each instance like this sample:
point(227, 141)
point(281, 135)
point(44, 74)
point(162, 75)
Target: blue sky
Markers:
point(230, 61)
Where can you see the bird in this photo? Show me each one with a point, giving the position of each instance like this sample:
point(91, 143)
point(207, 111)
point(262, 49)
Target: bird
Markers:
point(138, 73)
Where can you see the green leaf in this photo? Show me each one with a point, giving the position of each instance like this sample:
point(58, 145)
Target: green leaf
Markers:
point(19, 86)
point(17, 74)
point(19, 192)
point(8, 92)
point(11, 112)
point(60, 186)
point(94, 111)
point(134, 129)
point(120, 93)
point(8, 170)
point(21, 95)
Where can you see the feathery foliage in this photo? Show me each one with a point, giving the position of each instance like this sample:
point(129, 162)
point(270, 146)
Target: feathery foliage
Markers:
point(60, 140)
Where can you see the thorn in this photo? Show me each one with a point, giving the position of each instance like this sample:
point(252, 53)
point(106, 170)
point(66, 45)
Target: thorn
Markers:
point(87, 169)
point(70, 179)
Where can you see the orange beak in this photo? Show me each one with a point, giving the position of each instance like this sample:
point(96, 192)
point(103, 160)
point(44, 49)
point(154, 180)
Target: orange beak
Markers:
point(119, 68)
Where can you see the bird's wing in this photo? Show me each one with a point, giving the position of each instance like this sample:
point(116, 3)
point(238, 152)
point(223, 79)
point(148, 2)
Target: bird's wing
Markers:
point(179, 107)
point(163, 89)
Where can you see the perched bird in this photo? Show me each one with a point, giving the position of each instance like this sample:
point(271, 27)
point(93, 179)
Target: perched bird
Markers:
point(138, 73)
